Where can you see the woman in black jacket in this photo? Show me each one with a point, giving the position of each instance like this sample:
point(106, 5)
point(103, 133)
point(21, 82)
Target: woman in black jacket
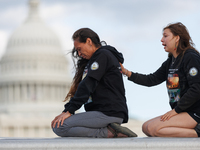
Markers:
point(181, 71)
point(94, 86)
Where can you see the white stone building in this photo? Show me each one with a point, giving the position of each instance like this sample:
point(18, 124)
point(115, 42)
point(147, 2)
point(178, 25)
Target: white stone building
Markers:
point(34, 79)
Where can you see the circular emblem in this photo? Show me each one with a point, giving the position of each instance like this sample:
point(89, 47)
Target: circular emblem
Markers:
point(193, 71)
point(94, 66)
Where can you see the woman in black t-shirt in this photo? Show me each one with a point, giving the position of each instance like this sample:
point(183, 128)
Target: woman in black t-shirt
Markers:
point(181, 71)
point(98, 85)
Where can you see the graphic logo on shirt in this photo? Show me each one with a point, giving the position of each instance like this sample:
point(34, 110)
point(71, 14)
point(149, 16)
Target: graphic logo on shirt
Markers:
point(94, 66)
point(193, 71)
point(172, 81)
point(173, 87)
point(174, 95)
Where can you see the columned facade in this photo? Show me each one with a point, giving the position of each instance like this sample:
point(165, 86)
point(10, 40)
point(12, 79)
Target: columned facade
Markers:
point(34, 79)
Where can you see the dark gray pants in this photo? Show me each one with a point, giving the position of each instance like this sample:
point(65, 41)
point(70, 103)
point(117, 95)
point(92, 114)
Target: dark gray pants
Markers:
point(86, 124)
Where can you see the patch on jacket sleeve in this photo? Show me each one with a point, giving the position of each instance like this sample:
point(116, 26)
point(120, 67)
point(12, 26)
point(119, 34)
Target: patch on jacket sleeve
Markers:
point(94, 66)
point(193, 71)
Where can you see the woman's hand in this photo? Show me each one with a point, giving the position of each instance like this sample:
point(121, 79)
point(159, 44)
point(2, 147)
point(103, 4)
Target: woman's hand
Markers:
point(60, 119)
point(168, 115)
point(125, 71)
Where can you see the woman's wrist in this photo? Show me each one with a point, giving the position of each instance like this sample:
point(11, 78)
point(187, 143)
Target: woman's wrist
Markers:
point(68, 113)
point(127, 73)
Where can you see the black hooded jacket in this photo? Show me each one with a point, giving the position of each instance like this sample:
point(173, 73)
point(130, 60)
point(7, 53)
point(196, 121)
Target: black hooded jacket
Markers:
point(102, 88)
point(182, 76)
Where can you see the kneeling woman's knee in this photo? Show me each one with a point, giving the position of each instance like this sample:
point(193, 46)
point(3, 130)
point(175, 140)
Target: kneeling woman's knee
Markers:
point(150, 129)
point(59, 131)
point(144, 127)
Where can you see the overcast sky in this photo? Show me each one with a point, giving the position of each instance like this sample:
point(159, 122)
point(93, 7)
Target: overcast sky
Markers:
point(134, 27)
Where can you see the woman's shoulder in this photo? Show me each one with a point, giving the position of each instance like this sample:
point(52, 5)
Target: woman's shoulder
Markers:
point(103, 50)
point(106, 51)
point(101, 53)
point(191, 53)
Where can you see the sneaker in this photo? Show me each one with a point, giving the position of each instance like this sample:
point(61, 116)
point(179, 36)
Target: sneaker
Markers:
point(119, 131)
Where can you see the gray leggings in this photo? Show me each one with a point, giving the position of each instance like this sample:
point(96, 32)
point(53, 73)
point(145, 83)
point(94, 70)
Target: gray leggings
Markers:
point(87, 124)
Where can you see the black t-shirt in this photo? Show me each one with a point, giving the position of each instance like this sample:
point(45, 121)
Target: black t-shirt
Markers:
point(173, 85)
point(107, 95)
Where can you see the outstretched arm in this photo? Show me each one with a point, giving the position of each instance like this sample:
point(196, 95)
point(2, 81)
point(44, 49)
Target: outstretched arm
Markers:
point(150, 79)
point(125, 71)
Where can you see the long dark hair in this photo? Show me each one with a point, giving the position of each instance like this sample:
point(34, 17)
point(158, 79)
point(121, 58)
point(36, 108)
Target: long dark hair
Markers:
point(80, 63)
point(185, 41)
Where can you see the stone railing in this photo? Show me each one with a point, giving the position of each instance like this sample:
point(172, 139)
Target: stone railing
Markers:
point(145, 143)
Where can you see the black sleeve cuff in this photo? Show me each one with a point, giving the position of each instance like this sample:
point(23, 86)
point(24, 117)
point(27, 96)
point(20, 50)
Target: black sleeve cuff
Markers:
point(68, 108)
point(71, 112)
point(132, 77)
point(177, 109)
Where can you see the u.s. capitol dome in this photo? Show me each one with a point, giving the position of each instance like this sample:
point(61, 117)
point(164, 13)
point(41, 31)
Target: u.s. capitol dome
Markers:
point(34, 78)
